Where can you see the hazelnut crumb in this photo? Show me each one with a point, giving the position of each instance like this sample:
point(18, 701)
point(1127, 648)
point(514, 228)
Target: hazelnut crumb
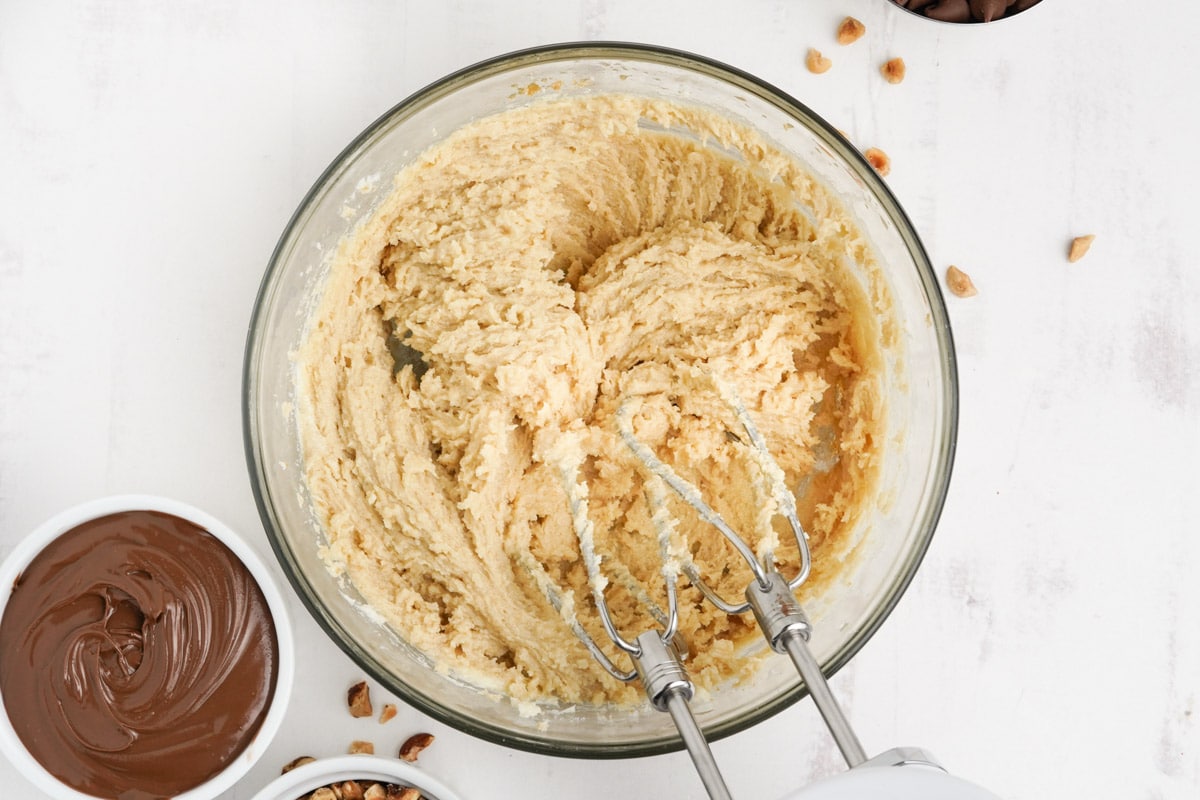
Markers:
point(359, 700)
point(1079, 247)
point(879, 160)
point(960, 283)
point(387, 713)
point(893, 70)
point(296, 762)
point(816, 62)
point(414, 744)
point(532, 89)
point(359, 747)
point(851, 30)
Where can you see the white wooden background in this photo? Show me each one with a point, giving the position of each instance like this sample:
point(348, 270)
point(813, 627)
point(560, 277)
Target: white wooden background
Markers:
point(151, 153)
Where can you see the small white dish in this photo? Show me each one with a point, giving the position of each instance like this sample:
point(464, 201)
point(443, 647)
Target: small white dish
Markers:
point(362, 768)
point(29, 548)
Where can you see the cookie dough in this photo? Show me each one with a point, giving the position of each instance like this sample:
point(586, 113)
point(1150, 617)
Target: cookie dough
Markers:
point(523, 278)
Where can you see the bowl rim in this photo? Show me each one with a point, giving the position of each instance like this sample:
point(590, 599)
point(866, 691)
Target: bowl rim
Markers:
point(969, 23)
point(323, 771)
point(31, 546)
point(601, 50)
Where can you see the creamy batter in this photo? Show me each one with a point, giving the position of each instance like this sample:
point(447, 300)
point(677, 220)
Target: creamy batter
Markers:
point(525, 277)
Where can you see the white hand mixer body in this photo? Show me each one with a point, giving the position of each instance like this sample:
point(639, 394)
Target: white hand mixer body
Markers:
point(911, 782)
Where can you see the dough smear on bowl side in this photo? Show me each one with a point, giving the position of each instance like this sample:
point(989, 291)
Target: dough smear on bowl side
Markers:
point(529, 273)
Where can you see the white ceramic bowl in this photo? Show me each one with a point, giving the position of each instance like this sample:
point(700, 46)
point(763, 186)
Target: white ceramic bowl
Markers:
point(325, 771)
point(29, 548)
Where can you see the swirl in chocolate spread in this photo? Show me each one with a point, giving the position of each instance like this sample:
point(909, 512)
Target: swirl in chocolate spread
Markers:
point(137, 656)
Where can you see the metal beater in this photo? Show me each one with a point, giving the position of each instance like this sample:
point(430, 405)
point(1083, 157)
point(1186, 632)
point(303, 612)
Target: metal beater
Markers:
point(656, 653)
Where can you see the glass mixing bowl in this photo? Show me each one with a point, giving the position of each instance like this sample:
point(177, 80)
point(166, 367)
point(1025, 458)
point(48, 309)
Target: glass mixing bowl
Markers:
point(920, 389)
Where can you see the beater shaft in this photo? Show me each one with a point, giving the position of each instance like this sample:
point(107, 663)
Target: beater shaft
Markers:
point(787, 629)
point(697, 746)
point(669, 689)
point(818, 689)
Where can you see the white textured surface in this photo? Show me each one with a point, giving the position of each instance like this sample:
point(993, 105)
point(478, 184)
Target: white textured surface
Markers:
point(151, 153)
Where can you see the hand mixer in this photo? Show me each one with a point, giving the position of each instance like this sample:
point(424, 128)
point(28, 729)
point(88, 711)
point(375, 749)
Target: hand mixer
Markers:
point(657, 653)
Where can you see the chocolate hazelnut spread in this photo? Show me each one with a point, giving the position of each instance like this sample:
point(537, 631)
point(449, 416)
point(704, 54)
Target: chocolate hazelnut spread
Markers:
point(138, 656)
point(967, 10)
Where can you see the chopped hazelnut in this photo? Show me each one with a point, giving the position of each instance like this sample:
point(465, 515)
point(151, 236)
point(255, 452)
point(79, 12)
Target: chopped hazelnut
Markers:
point(375, 792)
point(960, 283)
point(350, 790)
point(414, 744)
point(404, 793)
point(359, 747)
point(879, 160)
point(816, 62)
point(1079, 247)
point(893, 70)
point(359, 700)
point(387, 713)
point(324, 793)
point(851, 30)
point(296, 762)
